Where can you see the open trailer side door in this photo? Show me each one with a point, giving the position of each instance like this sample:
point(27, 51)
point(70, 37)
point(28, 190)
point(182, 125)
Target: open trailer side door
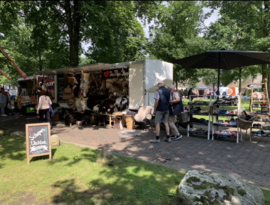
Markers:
point(155, 71)
point(136, 86)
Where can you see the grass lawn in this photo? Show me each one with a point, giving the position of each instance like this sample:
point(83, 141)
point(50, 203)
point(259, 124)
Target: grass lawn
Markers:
point(73, 177)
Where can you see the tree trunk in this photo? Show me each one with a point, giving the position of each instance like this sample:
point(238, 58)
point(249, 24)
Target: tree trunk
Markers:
point(73, 19)
point(39, 61)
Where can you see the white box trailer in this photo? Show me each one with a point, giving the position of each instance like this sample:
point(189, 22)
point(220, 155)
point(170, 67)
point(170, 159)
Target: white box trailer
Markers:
point(143, 77)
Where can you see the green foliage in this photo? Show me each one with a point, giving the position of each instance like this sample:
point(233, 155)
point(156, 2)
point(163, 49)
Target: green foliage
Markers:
point(31, 47)
point(243, 26)
point(266, 195)
point(209, 77)
point(242, 192)
point(44, 35)
point(193, 179)
point(119, 36)
point(175, 35)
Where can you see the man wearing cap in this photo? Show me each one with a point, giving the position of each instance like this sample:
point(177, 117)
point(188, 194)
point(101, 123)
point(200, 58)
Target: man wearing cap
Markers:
point(161, 110)
point(176, 107)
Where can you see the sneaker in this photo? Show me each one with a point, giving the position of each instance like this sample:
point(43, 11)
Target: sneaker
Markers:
point(4, 115)
point(178, 137)
point(155, 140)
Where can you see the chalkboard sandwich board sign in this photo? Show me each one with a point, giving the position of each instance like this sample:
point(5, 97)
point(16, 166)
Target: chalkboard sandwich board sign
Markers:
point(38, 140)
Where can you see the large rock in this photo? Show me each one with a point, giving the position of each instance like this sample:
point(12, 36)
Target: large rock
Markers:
point(200, 188)
point(108, 158)
point(54, 140)
point(17, 133)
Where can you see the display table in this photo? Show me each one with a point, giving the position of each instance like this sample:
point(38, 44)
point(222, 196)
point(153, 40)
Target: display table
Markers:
point(102, 121)
point(117, 119)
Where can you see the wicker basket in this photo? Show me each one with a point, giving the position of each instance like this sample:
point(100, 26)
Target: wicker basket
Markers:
point(183, 117)
point(244, 124)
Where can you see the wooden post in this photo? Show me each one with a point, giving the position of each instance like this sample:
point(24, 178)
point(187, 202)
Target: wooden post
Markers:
point(240, 74)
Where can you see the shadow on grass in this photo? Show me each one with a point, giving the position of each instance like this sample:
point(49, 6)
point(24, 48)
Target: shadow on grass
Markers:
point(86, 154)
point(132, 182)
point(12, 148)
point(45, 157)
point(71, 194)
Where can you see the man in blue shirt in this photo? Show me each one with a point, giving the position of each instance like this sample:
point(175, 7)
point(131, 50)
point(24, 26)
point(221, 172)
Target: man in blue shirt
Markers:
point(161, 110)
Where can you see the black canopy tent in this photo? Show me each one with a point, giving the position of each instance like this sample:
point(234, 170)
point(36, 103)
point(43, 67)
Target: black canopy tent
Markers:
point(223, 59)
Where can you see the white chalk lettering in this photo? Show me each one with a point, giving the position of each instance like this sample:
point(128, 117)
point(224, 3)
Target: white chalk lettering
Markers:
point(35, 135)
point(33, 149)
point(38, 142)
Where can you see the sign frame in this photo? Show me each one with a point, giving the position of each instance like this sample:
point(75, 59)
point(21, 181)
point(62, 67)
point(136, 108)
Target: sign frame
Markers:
point(27, 126)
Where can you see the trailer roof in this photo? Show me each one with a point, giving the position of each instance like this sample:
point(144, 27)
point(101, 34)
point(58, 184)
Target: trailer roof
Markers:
point(88, 68)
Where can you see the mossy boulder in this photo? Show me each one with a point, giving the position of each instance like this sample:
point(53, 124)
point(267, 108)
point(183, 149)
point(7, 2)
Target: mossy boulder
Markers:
point(18, 133)
point(54, 140)
point(207, 188)
point(108, 158)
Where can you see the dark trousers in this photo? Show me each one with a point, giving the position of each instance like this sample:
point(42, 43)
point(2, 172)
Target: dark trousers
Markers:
point(44, 116)
point(6, 107)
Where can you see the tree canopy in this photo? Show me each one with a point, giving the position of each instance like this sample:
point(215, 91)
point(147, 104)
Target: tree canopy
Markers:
point(43, 35)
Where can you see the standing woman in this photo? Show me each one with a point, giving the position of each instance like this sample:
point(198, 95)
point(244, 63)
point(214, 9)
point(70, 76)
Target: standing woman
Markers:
point(44, 103)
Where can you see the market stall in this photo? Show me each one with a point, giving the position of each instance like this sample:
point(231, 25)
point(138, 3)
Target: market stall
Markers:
point(28, 91)
point(107, 88)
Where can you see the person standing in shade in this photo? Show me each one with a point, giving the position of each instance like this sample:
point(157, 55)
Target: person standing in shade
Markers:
point(12, 105)
point(2, 102)
point(161, 110)
point(44, 103)
point(7, 98)
point(176, 107)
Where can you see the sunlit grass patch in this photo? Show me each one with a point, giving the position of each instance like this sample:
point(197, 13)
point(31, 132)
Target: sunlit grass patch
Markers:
point(73, 177)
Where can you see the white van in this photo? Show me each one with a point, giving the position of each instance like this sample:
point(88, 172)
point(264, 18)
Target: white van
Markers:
point(227, 91)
